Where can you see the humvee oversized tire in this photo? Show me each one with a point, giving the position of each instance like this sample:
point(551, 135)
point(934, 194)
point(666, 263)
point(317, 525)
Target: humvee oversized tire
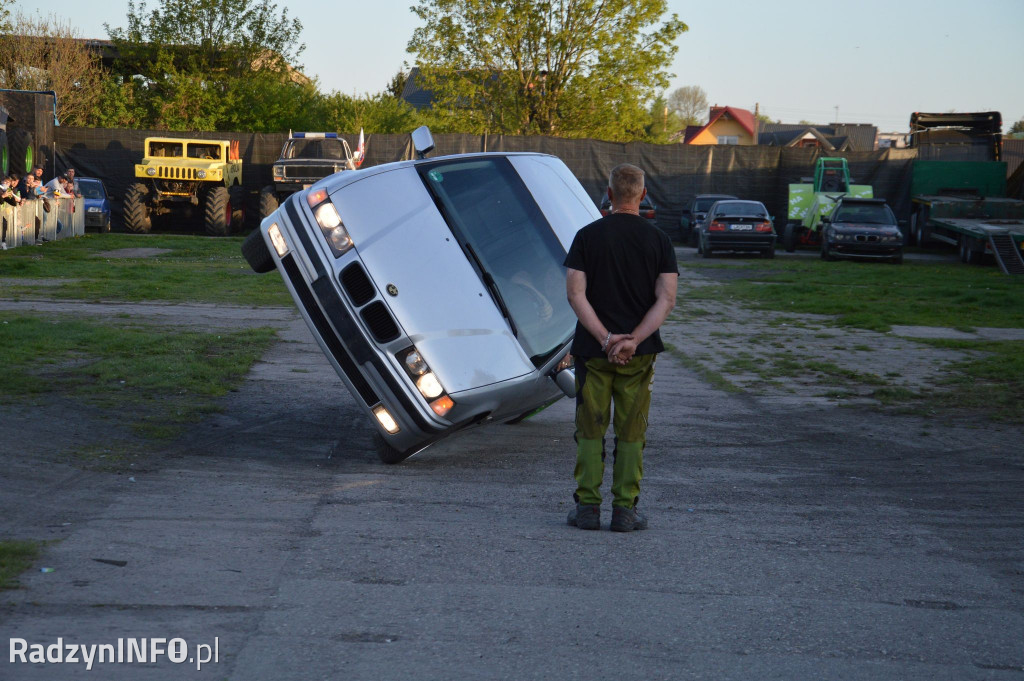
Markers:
point(237, 196)
point(256, 253)
point(19, 143)
point(217, 211)
point(268, 201)
point(136, 213)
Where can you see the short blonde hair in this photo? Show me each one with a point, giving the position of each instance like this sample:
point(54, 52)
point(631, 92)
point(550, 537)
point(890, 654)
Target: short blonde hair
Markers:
point(626, 182)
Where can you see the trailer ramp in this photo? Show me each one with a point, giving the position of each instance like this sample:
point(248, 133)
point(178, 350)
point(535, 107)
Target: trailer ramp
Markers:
point(1007, 255)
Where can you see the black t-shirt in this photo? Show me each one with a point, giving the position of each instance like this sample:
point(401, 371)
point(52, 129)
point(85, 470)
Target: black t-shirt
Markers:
point(622, 255)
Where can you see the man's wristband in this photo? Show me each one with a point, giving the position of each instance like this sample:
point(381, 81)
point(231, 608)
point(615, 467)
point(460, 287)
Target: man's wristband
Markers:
point(607, 339)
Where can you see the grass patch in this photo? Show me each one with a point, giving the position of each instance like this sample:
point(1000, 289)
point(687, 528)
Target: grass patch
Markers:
point(892, 395)
point(111, 457)
point(709, 376)
point(743, 365)
point(15, 558)
point(837, 372)
point(992, 381)
point(197, 269)
point(871, 296)
point(159, 379)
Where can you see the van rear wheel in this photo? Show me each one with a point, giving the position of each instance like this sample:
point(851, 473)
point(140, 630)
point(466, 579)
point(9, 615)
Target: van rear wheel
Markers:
point(386, 452)
point(256, 253)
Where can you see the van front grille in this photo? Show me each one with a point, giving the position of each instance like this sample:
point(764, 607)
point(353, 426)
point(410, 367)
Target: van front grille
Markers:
point(380, 322)
point(357, 284)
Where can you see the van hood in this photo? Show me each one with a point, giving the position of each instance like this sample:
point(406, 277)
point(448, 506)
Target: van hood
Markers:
point(426, 280)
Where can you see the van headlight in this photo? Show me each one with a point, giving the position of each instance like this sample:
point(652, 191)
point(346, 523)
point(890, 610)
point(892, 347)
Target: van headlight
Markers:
point(426, 381)
point(330, 222)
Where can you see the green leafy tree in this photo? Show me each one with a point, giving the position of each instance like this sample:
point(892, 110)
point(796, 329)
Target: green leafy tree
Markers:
point(210, 64)
point(1017, 127)
point(45, 53)
point(567, 67)
point(380, 113)
point(665, 123)
point(397, 84)
point(228, 37)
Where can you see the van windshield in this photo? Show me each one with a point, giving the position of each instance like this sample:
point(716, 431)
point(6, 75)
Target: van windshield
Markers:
point(493, 215)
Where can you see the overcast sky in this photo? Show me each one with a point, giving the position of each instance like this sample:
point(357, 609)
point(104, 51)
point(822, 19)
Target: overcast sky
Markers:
point(876, 60)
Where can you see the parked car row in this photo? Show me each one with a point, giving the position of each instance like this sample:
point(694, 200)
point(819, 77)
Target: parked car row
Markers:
point(855, 228)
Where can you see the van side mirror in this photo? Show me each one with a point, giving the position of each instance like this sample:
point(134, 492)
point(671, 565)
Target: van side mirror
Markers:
point(422, 141)
point(566, 381)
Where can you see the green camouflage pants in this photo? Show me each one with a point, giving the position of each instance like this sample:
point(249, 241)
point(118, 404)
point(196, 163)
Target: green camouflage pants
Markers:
point(598, 384)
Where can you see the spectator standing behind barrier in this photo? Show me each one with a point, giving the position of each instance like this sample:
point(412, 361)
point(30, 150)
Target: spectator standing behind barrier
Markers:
point(9, 192)
point(69, 174)
point(23, 184)
point(621, 284)
point(32, 190)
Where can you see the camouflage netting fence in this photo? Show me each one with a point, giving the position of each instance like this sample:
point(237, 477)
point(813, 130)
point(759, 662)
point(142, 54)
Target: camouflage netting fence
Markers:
point(675, 172)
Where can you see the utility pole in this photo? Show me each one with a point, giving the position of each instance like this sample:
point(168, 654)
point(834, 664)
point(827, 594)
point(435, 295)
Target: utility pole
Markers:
point(757, 121)
point(837, 113)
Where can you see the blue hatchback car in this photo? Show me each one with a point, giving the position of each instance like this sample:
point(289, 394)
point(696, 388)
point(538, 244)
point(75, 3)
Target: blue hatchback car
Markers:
point(97, 204)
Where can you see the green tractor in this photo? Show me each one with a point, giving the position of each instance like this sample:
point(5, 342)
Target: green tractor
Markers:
point(815, 198)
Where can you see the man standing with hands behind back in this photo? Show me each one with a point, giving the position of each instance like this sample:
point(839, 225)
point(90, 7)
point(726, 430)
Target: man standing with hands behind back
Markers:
point(621, 284)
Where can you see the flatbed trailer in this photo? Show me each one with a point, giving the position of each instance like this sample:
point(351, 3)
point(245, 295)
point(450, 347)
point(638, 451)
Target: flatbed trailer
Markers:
point(975, 225)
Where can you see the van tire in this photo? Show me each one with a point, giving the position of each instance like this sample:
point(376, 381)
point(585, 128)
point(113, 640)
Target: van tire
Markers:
point(256, 253)
point(386, 452)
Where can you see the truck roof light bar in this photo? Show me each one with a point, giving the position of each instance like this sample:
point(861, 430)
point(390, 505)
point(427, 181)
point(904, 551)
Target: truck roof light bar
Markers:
point(314, 135)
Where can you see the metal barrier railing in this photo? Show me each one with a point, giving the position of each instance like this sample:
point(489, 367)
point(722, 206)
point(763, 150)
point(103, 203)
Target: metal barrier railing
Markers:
point(30, 223)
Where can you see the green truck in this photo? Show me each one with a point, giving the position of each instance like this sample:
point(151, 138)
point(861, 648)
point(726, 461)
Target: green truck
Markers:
point(958, 189)
point(814, 198)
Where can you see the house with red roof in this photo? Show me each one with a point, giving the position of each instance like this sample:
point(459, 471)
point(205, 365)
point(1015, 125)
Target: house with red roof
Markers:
point(726, 125)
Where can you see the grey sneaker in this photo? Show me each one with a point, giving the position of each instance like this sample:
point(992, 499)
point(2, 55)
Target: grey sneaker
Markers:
point(628, 519)
point(585, 517)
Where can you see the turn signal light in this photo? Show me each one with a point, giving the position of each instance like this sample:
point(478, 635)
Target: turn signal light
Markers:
point(763, 227)
point(442, 405)
point(316, 198)
point(716, 226)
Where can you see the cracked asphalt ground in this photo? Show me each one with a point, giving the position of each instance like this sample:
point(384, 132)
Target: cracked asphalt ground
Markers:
point(789, 539)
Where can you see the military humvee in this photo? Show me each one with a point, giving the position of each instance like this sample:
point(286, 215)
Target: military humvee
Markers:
point(177, 175)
